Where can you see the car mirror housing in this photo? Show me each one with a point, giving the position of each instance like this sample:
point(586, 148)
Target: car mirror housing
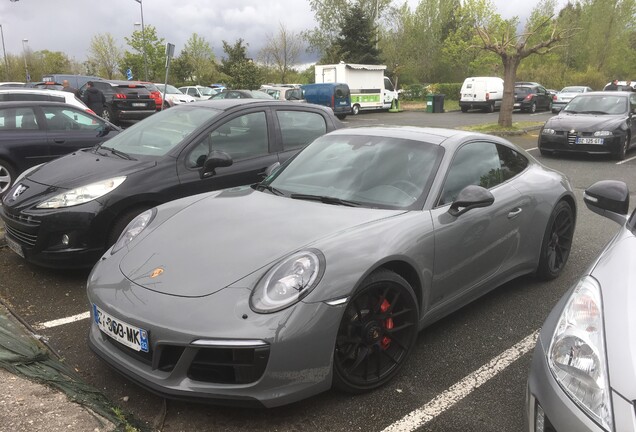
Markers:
point(608, 198)
point(216, 159)
point(469, 198)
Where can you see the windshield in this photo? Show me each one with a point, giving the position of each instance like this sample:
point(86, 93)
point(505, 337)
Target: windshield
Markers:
point(597, 104)
point(158, 134)
point(376, 172)
point(206, 91)
point(573, 90)
point(171, 89)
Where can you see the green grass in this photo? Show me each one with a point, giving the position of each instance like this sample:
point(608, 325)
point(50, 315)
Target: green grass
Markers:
point(494, 127)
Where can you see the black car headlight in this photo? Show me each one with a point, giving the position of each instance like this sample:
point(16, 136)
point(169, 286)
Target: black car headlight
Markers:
point(548, 131)
point(82, 194)
point(603, 133)
point(288, 282)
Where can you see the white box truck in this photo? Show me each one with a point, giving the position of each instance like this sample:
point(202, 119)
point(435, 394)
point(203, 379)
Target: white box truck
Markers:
point(370, 89)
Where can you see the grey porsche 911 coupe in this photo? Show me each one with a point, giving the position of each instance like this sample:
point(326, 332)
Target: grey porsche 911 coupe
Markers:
point(323, 274)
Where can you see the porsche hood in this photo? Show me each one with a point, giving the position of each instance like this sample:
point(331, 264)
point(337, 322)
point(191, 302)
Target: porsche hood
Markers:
point(226, 236)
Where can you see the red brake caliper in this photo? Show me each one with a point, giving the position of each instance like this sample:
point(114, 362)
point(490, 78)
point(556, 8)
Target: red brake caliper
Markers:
point(388, 324)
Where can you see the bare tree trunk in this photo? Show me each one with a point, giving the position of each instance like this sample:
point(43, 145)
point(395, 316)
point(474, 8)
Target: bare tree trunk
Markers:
point(511, 63)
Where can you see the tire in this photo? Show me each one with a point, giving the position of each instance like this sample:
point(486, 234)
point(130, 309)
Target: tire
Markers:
point(533, 108)
point(107, 115)
point(622, 152)
point(355, 110)
point(491, 108)
point(122, 222)
point(7, 176)
point(557, 241)
point(464, 109)
point(166, 105)
point(377, 332)
point(341, 116)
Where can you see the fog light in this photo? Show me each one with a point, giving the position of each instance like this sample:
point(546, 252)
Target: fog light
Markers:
point(65, 240)
point(539, 419)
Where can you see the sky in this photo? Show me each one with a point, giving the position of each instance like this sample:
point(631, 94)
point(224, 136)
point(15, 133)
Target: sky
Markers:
point(69, 25)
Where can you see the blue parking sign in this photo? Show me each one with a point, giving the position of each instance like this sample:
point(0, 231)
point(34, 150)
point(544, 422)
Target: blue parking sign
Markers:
point(129, 74)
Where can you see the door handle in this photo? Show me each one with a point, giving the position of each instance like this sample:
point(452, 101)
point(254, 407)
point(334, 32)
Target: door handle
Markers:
point(514, 213)
point(59, 140)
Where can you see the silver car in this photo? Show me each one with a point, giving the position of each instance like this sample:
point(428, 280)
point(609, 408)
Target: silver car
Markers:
point(566, 94)
point(323, 274)
point(583, 372)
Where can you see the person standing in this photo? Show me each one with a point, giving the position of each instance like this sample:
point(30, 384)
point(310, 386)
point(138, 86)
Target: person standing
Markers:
point(94, 98)
point(67, 88)
point(613, 86)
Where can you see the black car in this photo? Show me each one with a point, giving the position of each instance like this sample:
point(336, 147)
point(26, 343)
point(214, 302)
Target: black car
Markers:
point(125, 100)
point(242, 94)
point(66, 213)
point(34, 132)
point(531, 98)
point(594, 123)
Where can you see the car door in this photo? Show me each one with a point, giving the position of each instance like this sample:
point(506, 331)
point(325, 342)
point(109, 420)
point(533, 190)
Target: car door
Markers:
point(23, 141)
point(69, 129)
point(544, 98)
point(246, 136)
point(471, 248)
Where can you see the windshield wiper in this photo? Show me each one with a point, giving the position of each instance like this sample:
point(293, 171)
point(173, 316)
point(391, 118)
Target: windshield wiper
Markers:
point(119, 153)
point(325, 199)
point(272, 189)
point(592, 112)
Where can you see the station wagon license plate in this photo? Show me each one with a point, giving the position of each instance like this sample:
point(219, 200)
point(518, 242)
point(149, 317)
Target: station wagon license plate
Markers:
point(138, 104)
point(14, 246)
point(581, 140)
point(133, 337)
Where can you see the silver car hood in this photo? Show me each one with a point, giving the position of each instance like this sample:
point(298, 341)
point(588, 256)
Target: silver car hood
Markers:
point(616, 273)
point(227, 236)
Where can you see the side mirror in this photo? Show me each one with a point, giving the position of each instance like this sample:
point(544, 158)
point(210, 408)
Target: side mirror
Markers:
point(216, 159)
point(608, 198)
point(469, 198)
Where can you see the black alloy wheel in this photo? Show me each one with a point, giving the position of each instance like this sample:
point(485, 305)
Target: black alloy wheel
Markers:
point(557, 242)
point(7, 176)
point(622, 151)
point(376, 334)
point(533, 108)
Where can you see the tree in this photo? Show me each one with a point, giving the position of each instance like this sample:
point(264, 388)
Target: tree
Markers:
point(197, 63)
point(104, 56)
point(154, 48)
point(357, 38)
point(282, 51)
point(242, 72)
point(542, 34)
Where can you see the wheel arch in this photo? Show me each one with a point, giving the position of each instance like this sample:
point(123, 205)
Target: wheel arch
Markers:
point(125, 211)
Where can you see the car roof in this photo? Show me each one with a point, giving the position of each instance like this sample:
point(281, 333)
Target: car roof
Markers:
point(34, 90)
point(36, 102)
point(609, 93)
point(225, 104)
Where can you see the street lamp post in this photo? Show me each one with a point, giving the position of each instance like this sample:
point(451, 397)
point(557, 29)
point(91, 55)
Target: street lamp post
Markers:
point(143, 37)
point(4, 52)
point(26, 67)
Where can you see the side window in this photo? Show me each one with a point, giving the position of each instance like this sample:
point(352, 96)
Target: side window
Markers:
point(299, 128)
point(242, 137)
point(29, 97)
point(512, 162)
point(58, 118)
point(476, 163)
point(192, 92)
point(25, 119)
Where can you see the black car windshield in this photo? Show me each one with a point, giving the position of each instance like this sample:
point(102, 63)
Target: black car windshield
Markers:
point(158, 134)
point(597, 105)
point(361, 170)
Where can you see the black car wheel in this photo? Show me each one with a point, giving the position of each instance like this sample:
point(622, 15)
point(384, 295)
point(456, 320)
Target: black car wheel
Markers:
point(464, 109)
point(557, 242)
point(355, 110)
point(533, 108)
point(107, 115)
point(7, 175)
point(622, 151)
point(376, 334)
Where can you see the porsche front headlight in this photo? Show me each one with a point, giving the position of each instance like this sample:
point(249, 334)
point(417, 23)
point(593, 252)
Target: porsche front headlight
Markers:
point(82, 194)
point(577, 352)
point(134, 228)
point(288, 282)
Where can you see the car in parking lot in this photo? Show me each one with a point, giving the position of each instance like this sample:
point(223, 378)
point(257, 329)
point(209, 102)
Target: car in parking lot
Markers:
point(34, 132)
point(198, 92)
point(284, 93)
point(66, 213)
point(593, 123)
point(12, 94)
point(125, 100)
point(566, 94)
point(583, 372)
point(173, 96)
point(242, 94)
point(531, 98)
point(323, 274)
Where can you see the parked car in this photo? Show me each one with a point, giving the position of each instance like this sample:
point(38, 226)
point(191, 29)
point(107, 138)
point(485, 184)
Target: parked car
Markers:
point(485, 93)
point(173, 96)
point(284, 93)
point(531, 98)
point(199, 92)
point(622, 86)
point(125, 100)
point(12, 94)
point(566, 94)
point(11, 84)
point(155, 94)
point(68, 212)
point(323, 273)
point(34, 132)
point(51, 85)
point(241, 94)
point(336, 96)
point(594, 123)
point(582, 372)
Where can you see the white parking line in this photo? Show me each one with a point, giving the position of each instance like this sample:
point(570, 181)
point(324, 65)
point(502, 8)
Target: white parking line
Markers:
point(463, 388)
point(62, 321)
point(533, 148)
point(626, 160)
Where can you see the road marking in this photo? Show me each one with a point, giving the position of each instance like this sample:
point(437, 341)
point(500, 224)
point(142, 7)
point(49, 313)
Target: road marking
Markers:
point(626, 160)
point(533, 148)
point(62, 321)
point(463, 388)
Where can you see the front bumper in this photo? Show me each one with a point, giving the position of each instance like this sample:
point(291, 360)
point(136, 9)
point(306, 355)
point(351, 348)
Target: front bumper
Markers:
point(565, 142)
point(297, 343)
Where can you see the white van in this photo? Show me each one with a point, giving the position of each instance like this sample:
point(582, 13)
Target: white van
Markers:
point(485, 93)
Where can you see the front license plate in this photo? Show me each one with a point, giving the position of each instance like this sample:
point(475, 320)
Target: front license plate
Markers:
point(124, 333)
point(138, 104)
point(14, 246)
point(580, 140)
point(517, 105)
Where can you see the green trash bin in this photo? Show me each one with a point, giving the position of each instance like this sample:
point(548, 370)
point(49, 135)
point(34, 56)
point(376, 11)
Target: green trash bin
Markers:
point(430, 98)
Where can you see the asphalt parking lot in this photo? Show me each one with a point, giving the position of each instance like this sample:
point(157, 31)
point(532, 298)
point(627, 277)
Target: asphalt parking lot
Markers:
point(466, 373)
